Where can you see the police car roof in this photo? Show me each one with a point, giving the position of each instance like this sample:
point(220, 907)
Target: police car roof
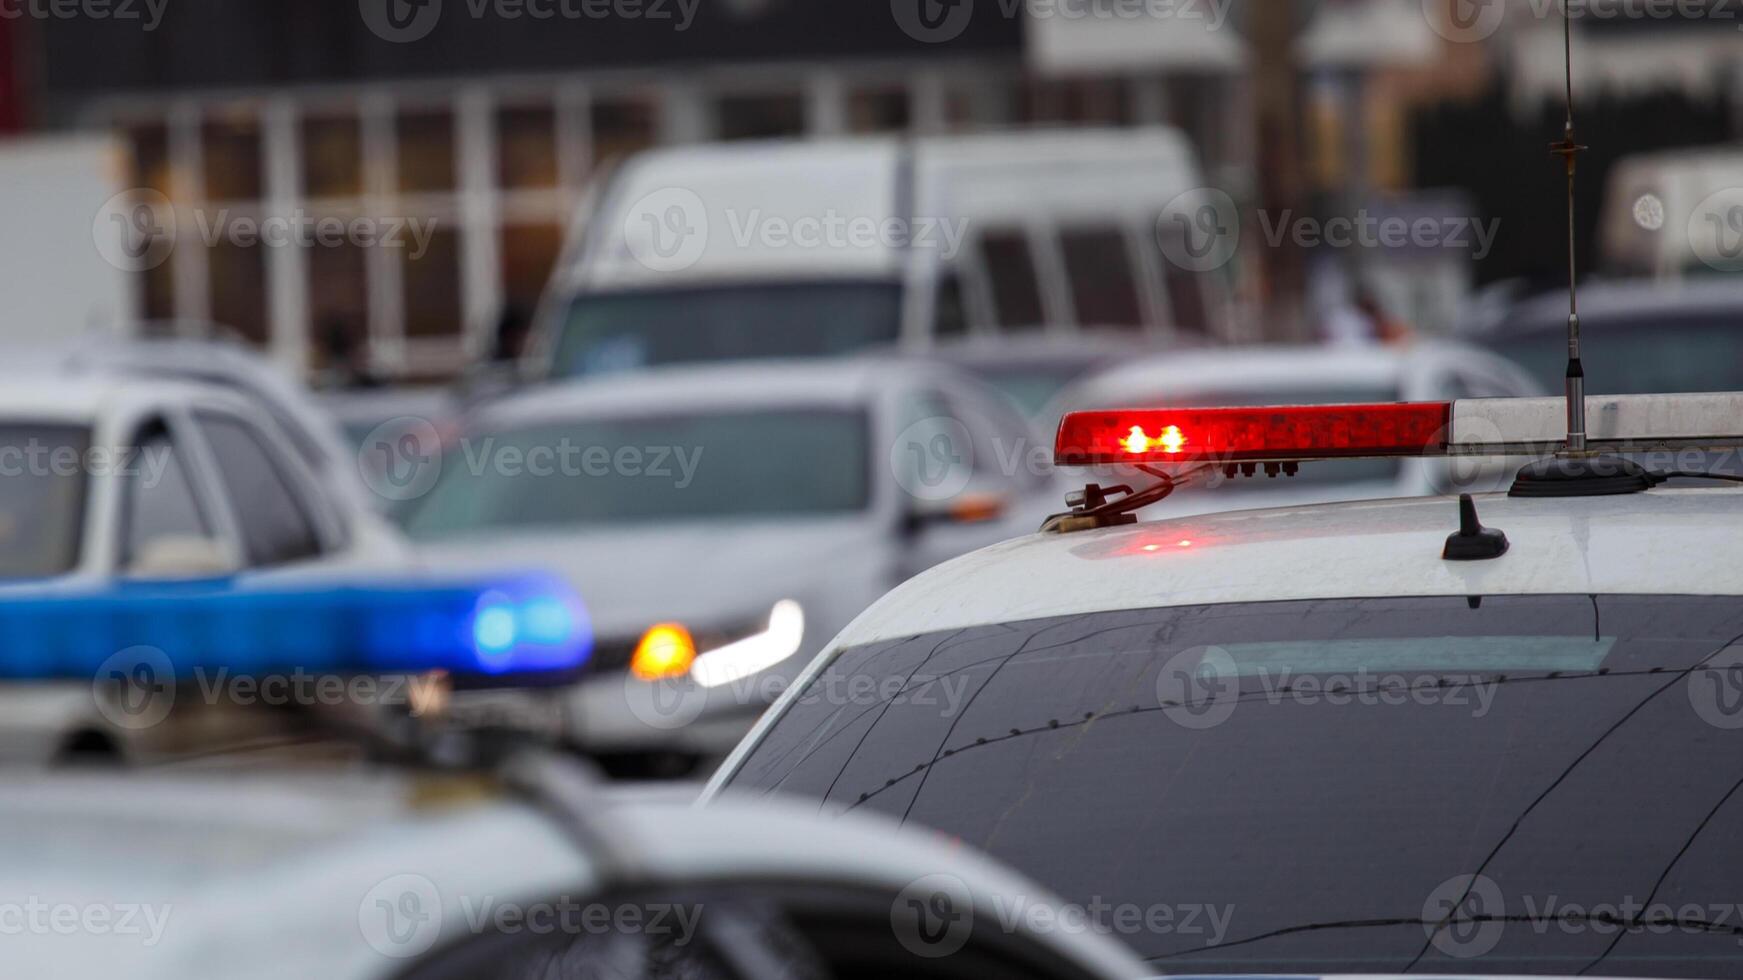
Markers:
point(1665, 542)
point(844, 383)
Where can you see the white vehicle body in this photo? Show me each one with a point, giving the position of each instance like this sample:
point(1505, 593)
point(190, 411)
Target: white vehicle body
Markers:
point(1312, 375)
point(148, 441)
point(246, 876)
point(66, 270)
point(719, 575)
point(914, 216)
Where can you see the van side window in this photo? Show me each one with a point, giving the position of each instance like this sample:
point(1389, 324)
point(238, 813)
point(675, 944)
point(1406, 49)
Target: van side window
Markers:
point(276, 527)
point(1103, 289)
point(1186, 305)
point(159, 498)
point(949, 319)
point(1011, 270)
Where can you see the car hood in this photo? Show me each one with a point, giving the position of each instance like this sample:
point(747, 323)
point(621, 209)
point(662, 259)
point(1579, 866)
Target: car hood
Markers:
point(700, 574)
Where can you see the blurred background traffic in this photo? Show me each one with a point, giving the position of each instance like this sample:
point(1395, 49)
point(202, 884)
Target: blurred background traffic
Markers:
point(732, 314)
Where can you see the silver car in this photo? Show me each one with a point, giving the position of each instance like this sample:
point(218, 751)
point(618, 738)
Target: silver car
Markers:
point(722, 523)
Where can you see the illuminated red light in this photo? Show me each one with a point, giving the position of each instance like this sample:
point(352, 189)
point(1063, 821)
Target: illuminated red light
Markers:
point(1246, 435)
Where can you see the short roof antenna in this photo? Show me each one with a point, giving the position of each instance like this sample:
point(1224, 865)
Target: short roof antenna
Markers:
point(1569, 150)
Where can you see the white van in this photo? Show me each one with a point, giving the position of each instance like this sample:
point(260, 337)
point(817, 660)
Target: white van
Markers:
point(1675, 215)
point(756, 250)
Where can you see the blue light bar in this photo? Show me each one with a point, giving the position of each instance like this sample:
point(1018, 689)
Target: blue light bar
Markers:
point(523, 626)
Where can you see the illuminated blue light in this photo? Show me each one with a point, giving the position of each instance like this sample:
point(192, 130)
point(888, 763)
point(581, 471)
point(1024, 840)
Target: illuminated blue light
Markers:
point(407, 626)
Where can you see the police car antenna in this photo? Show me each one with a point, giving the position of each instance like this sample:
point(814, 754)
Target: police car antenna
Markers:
point(1569, 150)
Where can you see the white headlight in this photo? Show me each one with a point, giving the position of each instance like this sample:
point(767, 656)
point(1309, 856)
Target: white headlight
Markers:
point(741, 659)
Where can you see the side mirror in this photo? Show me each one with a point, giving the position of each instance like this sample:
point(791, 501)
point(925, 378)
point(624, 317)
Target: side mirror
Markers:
point(181, 556)
point(965, 508)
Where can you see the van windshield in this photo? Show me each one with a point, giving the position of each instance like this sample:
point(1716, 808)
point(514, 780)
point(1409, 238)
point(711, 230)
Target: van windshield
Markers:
point(607, 332)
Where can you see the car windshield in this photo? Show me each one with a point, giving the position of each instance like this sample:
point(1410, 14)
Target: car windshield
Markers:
point(1452, 785)
point(607, 332)
point(1671, 354)
point(1331, 472)
point(713, 466)
point(42, 498)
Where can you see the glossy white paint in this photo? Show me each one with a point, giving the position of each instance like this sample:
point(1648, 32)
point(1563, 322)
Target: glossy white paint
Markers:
point(1666, 541)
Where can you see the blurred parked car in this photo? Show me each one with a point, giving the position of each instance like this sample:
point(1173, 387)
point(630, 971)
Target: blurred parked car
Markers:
point(722, 523)
point(371, 875)
point(1640, 337)
point(756, 250)
point(1313, 376)
point(1031, 371)
point(231, 364)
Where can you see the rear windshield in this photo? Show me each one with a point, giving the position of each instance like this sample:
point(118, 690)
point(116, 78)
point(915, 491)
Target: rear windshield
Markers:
point(608, 332)
point(1524, 785)
point(42, 498)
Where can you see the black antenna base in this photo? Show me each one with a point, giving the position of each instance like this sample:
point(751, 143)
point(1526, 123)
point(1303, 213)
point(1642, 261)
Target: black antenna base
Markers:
point(1583, 476)
point(1473, 542)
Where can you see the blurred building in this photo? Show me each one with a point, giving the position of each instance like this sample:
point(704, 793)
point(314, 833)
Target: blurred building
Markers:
point(489, 120)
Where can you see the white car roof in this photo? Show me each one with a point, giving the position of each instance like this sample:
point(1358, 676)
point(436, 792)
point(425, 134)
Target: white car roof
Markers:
point(1662, 542)
point(844, 383)
point(270, 874)
point(1255, 369)
point(86, 397)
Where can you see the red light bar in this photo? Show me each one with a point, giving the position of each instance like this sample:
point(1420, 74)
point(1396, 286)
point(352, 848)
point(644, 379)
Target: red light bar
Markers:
point(1253, 435)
